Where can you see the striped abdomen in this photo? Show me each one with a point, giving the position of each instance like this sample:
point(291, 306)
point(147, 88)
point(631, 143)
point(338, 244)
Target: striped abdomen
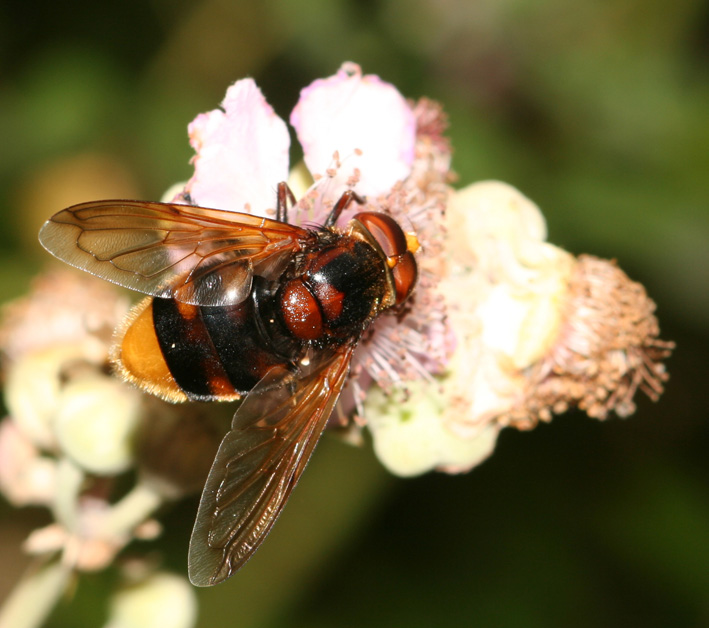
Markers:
point(187, 352)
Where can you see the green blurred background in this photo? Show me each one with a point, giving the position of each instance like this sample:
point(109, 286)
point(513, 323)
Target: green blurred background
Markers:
point(597, 110)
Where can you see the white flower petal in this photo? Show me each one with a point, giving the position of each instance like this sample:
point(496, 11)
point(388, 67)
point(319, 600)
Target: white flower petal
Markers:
point(242, 152)
point(366, 121)
point(410, 438)
point(504, 290)
point(515, 281)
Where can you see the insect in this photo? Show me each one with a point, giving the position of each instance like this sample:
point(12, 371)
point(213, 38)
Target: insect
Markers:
point(241, 305)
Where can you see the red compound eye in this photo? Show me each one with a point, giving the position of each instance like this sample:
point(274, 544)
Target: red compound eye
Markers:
point(405, 273)
point(396, 246)
point(386, 232)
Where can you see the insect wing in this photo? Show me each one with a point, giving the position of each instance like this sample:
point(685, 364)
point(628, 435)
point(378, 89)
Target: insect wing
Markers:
point(259, 463)
point(193, 254)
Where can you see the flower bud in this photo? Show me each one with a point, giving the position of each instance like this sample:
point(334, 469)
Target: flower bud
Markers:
point(95, 423)
point(158, 601)
point(33, 390)
point(410, 438)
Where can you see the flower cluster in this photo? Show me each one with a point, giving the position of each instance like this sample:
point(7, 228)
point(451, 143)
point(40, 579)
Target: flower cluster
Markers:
point(504, 329)
point(73, 432)
point(537, 331)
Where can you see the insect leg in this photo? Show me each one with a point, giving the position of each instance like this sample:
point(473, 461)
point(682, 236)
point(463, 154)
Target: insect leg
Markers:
point(344, 202)
point(283, 197)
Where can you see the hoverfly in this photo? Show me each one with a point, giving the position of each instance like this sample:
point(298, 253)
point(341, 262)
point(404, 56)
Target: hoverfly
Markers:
point(241, 305)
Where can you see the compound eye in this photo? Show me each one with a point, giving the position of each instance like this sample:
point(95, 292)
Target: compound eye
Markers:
point(405, 273)
point(386, 231)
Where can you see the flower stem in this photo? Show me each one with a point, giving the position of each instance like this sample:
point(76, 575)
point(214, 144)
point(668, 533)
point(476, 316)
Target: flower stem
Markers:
point(70, 479)
point(33, 599)
point(139, 504)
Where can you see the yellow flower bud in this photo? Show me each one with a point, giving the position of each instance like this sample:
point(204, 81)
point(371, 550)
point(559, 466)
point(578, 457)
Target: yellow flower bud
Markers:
point(95, 423)
point(158, 601)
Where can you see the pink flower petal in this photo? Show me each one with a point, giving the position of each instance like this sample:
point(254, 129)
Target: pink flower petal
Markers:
point(26, 477)
point(242, 152)
point(365, 120)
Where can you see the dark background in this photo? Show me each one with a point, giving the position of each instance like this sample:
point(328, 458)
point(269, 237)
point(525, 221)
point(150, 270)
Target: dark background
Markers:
point(598, 111)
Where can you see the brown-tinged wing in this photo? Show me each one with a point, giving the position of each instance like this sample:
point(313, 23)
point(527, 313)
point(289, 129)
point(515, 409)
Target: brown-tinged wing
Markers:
point(193, 254)
point(259, 462)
